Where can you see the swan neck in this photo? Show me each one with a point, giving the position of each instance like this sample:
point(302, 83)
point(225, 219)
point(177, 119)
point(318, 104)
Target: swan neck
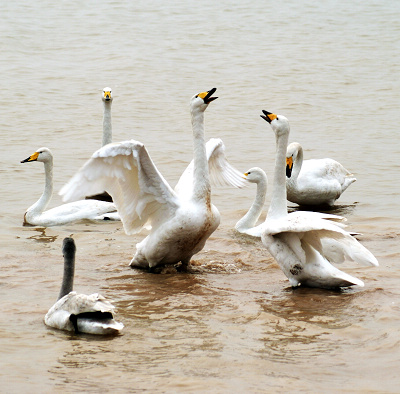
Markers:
point(41, 204)
point(201, 180)
point(68, 276)
point(297, 164)
point(107, 126)
point(278, 206)
point(250, 219)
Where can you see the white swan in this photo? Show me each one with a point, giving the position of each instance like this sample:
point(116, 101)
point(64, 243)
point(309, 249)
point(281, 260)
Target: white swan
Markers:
point(107, 99)
point(91, 314)
point(294, 239)
point(315, 181)
point(247, 223)
point(67, 213)
point(181, 223)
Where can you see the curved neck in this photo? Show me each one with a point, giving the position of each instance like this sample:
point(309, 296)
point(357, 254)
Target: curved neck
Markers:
point(201, 180)
point(68, 276)
point(297, 164)
point(107, 127)
point(278, 206)
point(43, 201)
point(250, 219)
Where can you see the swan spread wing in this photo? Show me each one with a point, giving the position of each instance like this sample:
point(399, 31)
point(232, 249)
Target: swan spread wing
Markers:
point(326, 236)
point(126, 171)
point(221, 171)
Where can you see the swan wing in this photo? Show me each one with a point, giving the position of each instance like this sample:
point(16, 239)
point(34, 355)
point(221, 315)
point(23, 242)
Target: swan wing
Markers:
point(326, 236)
point(126, 171)
point(220, 170)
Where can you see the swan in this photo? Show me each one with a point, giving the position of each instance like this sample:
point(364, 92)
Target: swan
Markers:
point(295, 239)
point(67, 213)
point(316, 181)
point(91, 314)
point(107, 99)
point(180, 222)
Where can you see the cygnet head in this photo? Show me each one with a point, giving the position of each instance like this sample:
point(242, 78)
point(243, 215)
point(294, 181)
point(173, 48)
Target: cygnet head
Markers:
point(255, 175)
point(201, 100)
point(68, 248)
point(42, 154)
point(107, 95)
point(279, 124)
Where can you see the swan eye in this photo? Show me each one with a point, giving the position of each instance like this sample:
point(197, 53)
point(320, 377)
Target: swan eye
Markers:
point(248, 173)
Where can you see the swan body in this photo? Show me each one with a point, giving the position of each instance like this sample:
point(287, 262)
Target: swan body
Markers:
point(315, 181)
point(91, 314)
point(180, 223)
point(67, 213)
point(302, 243)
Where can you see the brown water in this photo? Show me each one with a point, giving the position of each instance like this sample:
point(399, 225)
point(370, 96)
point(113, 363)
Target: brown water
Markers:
point(231, 324)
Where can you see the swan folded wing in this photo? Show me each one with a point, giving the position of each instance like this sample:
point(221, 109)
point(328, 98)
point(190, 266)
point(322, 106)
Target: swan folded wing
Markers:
point(126, 171)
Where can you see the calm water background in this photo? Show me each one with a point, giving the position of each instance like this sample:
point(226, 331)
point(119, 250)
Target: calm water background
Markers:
point(232, 324)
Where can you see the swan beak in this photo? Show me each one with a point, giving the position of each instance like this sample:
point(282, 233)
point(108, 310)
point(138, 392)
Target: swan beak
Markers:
point(206, 96)
point(107, 95)
point(31, 158)
point(269, 116)
point(245, 175)
point(289, 166)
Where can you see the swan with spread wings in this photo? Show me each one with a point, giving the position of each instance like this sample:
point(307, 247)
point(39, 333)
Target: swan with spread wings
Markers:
point(182, 220)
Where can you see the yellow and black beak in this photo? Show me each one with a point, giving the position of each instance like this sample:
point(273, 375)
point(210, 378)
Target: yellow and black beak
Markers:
point(31, 158)
point(107, 95)
point(206, 96)
point(268, 116)
point(289, 166)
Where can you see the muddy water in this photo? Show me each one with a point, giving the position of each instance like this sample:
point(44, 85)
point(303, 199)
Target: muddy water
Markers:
point(231, 324)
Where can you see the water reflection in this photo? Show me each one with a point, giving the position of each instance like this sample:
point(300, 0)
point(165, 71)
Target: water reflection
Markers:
point(42, 237)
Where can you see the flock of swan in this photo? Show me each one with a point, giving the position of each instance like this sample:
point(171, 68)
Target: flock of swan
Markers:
point(181, 219)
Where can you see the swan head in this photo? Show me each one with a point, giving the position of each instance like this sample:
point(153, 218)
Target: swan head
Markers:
point(255, 175)
point(200, 101)
point(107, 95)
point(292, 151)
point(279, 123)
point(42, 154)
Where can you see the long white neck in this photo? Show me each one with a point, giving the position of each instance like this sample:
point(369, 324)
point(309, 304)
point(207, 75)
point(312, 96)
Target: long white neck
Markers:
point(278, 206)
point(201, 180)
point(107, 127)
point(250, 219)
point(68, 276)
point(41, 204)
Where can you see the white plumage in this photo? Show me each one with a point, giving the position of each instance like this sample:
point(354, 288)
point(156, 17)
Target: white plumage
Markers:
point(91, 314)
point(181, 221)
point(314, 181)
point(67, 213)
point(303, 243)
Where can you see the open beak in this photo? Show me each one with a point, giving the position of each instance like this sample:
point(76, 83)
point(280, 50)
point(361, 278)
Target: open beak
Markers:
point(268, 116)
point(207, 99)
